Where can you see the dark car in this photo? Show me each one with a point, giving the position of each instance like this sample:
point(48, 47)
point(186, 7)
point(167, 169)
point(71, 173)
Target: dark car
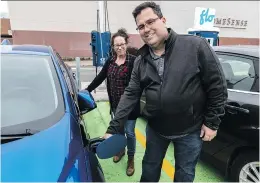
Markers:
point(43, 138)
point(235, 150)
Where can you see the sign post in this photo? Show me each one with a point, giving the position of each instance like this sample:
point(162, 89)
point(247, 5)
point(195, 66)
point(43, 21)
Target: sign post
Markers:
point(78, 72)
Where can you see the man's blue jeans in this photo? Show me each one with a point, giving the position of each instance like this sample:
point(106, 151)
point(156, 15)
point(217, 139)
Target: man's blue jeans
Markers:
point(186, 153)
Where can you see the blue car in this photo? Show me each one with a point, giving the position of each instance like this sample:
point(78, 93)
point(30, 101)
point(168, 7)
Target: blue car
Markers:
point(43, 137)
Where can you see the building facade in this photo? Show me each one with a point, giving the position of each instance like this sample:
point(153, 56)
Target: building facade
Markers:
point(67, 25)
point(6, 31)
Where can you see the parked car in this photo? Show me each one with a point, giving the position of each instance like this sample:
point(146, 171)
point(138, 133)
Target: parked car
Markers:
point(235, 150)
point(43, 138)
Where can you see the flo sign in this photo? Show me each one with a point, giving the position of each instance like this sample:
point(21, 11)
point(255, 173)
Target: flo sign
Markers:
point(204, 18)
point(204, 25)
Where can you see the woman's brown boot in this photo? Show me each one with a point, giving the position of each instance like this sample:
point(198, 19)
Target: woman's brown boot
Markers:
point(119, 156)
point(130, 166)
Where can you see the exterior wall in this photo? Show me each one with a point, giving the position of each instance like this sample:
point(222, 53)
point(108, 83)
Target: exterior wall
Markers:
point(68, 44)
point(58, 16)
point(67, 29)
point(6, 32)
point(180, 15)
point(5, 26)
point(120, 15)
point(238, 41)
point(67, 25)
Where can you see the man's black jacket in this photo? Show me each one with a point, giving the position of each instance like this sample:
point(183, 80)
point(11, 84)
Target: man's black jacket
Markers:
point(193, 90)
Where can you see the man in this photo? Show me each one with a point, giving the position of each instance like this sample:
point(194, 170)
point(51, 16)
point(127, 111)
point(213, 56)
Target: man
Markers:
point(185, 94)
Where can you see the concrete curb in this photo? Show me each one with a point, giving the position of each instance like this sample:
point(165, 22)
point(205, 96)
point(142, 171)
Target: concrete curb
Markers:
point(85, 63)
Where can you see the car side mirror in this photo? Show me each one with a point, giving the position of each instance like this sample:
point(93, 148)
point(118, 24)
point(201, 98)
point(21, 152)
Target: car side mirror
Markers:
point(86, 102)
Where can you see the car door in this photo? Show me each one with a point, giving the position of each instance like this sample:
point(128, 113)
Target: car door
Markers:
point(241, 73)
point(76, 166)
point(92, 163)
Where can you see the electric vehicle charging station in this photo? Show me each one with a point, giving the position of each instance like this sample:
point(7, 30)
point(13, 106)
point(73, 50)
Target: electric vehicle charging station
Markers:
point(204, 25)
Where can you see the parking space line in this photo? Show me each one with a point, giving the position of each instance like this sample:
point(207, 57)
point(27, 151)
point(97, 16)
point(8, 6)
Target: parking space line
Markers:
point(167, 167)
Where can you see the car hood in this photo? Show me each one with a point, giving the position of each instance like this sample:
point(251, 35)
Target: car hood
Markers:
point(39, 157)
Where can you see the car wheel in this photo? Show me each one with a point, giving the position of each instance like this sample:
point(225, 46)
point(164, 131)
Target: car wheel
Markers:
point(245, 168)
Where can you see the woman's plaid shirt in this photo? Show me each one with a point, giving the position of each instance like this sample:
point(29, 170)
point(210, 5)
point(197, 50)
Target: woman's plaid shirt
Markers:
point(118, 77)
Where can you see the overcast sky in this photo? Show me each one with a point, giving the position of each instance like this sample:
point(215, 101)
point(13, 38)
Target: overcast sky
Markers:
point(3, 7)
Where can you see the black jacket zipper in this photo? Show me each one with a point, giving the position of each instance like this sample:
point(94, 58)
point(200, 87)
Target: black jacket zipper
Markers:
point(163, 78)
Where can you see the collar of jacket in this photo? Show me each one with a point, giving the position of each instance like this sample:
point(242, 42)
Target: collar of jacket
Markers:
point(169, 42)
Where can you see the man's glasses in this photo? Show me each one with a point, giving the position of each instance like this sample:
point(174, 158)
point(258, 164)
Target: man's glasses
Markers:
point(148, 23)
point(116, 46)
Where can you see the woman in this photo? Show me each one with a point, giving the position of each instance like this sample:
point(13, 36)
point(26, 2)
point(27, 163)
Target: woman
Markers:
point(117, 70)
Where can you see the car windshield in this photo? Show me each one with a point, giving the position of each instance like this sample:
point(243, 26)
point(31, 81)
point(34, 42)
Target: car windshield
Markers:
point(31, 96)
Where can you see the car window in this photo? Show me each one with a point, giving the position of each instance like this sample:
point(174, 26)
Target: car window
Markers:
point(68, 76)
point(239, 71)
point(67, 73)
point(31, 96)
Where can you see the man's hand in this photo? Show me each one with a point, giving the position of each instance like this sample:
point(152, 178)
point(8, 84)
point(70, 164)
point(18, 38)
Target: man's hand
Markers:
point(207, 133)
point(107, 135)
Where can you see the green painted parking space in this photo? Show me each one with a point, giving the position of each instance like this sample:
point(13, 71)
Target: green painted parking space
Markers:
point(96, 124)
